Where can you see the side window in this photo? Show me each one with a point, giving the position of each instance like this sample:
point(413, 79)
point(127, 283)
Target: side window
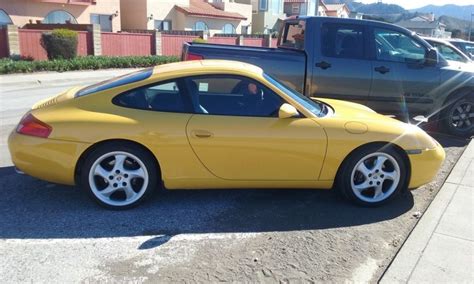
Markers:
point(395, 46)
point(160, 97)
point(342, 41)
point(232, 95)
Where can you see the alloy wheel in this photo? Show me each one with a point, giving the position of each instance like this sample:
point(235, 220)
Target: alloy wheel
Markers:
point(118, 178)
point(375, 177)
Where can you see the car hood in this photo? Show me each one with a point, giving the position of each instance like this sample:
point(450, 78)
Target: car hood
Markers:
point(354, 111)
point(363, 124)
point(460, 66)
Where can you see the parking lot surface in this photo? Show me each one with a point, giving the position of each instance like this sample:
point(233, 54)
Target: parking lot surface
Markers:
point(55, 234)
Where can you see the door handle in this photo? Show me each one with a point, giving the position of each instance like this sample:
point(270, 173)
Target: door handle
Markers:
point(323, 65)
point(382, 69)
point(202, 133)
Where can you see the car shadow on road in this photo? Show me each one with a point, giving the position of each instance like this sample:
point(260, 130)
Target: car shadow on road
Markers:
point(35, 209)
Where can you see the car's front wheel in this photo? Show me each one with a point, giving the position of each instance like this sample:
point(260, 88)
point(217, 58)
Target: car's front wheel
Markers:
point(372, 176)
point(119, 176)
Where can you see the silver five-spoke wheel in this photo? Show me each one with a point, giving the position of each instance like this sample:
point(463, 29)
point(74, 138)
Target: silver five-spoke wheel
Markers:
point(118, 178)
point(375, 177)
point(373, 174)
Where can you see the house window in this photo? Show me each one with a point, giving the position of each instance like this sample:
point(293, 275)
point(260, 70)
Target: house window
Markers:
point(59, 17)
point(263, 5)
point(295, 9)
point(4, 18)
point(228, 29)
point(163, 25)
point(105, 22)
point(200, 26)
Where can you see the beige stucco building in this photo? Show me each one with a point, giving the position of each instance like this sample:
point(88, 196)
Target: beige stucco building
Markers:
point(213, 16)
point(267, 15)
point(21, 12)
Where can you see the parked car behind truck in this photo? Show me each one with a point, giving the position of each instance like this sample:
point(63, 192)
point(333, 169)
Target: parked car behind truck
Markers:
point(383, 66)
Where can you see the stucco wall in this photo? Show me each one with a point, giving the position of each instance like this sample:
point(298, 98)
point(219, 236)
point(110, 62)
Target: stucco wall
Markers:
point(134, 14)
point(214, 25)
point(21, 11)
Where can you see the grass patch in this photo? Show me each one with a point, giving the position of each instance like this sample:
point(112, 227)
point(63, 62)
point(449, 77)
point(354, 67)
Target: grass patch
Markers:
point(8, 65)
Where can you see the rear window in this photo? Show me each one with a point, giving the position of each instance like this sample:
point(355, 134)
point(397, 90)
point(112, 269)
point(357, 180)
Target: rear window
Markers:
point(116, 82)
point(293, 35)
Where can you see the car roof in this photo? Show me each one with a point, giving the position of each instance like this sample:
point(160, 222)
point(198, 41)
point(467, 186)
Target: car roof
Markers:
point(199, 66)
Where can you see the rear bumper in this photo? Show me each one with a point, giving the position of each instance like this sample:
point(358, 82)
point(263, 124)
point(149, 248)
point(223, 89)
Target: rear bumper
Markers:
point(425, 166)
point(46, 159)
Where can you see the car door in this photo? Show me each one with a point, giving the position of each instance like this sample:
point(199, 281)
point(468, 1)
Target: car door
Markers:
point(341, 68)
point(237, 135)
point(402, 82)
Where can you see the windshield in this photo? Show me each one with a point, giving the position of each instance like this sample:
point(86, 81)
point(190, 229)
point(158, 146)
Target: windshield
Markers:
point(448, 52)
point(115, 82)
point(316, 108)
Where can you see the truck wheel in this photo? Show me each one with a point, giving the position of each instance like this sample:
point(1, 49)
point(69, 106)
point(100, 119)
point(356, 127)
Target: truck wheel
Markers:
point(458, 117)
point(372, 176)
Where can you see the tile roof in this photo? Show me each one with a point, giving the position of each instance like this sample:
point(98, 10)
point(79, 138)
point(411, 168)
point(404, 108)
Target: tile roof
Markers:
point(199, 8)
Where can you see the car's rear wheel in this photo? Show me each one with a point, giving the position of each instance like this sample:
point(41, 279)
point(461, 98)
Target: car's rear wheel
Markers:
point(119, 176)
point(372, 176)
point(458, 117)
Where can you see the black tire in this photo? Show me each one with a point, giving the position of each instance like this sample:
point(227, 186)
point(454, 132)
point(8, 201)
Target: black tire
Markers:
point(344, 178)
point(455, 122)
point(132, 151)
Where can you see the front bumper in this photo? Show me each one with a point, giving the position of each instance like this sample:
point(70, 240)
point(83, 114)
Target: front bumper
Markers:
point(425, 166)
point(46, 159)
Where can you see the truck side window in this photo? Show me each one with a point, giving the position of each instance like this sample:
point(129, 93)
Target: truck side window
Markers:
point(397, 47)
point(342, 41)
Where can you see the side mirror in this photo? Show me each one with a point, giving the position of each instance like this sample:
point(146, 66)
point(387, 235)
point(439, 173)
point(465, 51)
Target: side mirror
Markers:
point(287, 111)
point(431, 57)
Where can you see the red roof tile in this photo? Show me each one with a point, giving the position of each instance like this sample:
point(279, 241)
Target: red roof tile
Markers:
point(199, 8)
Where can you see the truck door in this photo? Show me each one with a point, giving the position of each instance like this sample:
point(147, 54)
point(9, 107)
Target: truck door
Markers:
point(341, 68)
point(402, 83)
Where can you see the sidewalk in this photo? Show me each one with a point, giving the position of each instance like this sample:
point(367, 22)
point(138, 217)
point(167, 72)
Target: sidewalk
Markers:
point(41, 78)
point(441, 247)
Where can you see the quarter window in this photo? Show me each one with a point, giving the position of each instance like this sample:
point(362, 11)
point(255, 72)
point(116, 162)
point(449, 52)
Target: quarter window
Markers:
point(343, 41)
point(232, 96)
point(165, 97)
point(395, 46)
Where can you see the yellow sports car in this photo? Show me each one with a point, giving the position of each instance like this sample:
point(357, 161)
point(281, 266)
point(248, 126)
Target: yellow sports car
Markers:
point(216, 124)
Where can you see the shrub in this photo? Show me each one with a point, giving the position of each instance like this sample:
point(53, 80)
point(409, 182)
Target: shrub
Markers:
point(60, 44)
point(82, 63)
point(199, 40)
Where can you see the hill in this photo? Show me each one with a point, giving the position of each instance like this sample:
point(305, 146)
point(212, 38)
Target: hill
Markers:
point(456, 11)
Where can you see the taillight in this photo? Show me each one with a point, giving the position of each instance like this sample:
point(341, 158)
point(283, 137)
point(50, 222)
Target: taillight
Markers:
point(30, 125)
point(192, 56)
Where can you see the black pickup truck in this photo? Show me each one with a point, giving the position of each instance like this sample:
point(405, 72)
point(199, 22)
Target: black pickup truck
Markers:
point(383, 66)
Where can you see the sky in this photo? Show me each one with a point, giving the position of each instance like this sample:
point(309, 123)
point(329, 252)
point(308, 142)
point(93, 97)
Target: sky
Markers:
point(412, 4)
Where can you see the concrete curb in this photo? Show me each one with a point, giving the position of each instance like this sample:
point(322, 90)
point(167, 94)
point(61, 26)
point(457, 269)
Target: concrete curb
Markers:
point(407, 259)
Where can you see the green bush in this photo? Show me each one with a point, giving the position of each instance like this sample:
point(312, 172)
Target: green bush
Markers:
point(8, 65)
point(60, 44)
point(199, 40)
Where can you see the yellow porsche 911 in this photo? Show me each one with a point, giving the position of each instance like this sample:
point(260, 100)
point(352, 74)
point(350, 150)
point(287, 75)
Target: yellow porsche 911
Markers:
point(216, 124)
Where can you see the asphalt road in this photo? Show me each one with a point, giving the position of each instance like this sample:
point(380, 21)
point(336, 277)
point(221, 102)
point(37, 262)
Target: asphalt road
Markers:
point(55, 234)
